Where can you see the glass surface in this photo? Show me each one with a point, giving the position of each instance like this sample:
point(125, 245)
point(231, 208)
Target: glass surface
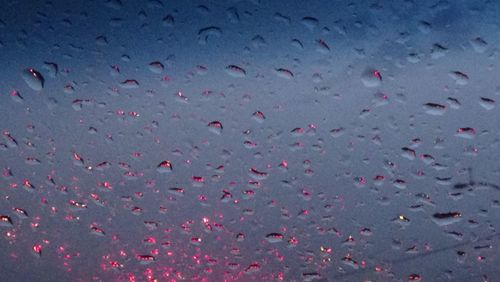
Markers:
point(249, 140)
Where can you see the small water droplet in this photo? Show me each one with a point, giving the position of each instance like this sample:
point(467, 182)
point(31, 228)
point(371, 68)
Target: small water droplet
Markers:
point(236, 71)
point(274, 237)
point(371, 77)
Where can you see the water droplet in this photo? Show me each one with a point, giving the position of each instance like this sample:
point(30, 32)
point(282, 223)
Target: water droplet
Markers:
point(97, 231)
point(16, 96)
point(310, 276)
point(466, 132)
point(33, 78)
point(129, 84)
point(479, 45)
point(347, 260)
point(454, 103)
point(337, 132)
point(322, 46)
point(11, 142)
point(438, 51)
point(156, 67)
point(5, 221)
point(21, 213)
point(297, 44)
point(424, 27)
point(274, 237)
point(257, 175)
point(284, 73)
point(145, 259)
point(259, 116)
point(460, 78)
point(37, 250)
point(215, 127)
point(371, 78)
point(366, 232)
point(487, 103)
point(168, 21)
point(310, 22)
point(52, 68)
point(408, 153)
point(236, 71)
point(77, 206)
point(205, 34)
point(434, 109)
point(164, 166)
point(252, 268)
point(448, 218)
point(414, 277)
point(176, 191)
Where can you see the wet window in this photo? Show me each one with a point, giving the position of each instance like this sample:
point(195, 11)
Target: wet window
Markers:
point(249, 140)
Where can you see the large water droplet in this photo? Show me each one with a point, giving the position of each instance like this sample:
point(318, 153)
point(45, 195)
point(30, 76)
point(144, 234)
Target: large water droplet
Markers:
point(33, 78)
